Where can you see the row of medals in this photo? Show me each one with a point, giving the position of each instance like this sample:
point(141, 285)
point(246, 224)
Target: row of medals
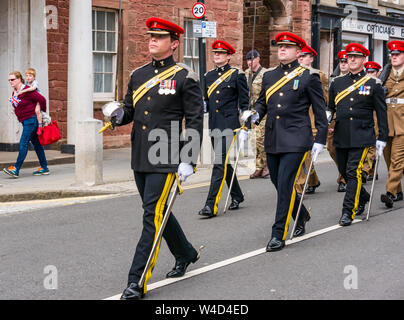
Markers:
point(167, 87)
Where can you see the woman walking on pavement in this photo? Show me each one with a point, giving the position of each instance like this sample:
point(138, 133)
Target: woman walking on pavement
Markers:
point(24, 108)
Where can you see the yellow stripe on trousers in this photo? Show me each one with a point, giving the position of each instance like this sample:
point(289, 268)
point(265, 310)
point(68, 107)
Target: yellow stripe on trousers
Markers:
point(359, 178)
point(293, 197)
point(219, 194)
point(158, 218)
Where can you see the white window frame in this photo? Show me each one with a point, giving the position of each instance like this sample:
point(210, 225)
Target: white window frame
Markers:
point(106, 96)
point(188, 23)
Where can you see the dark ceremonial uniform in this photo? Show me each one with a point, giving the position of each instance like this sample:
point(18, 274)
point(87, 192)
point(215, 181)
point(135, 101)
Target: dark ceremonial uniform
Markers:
point(157, 109)
point(289, 135)
point(354, 133)
point(224, 103)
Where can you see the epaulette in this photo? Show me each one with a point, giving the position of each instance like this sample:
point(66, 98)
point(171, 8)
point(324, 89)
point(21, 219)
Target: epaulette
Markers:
point(239, 70)
point(209, 71)
point(191, 73)
point(312, 70)
point(138, 69)
point(269, 69)
point(378, 81)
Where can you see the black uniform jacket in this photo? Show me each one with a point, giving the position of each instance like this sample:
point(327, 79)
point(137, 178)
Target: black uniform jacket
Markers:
point(157, 118)
point(288, 126)
point(225, 102)
point(354, 124)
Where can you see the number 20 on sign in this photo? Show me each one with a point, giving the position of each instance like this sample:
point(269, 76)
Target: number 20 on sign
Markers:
point(198, 10)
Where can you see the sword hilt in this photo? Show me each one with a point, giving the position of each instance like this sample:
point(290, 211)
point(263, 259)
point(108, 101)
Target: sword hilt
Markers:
point(108, 125)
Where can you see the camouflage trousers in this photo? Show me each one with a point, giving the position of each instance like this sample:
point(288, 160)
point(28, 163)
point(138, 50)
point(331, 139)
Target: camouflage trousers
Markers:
point(260, 157)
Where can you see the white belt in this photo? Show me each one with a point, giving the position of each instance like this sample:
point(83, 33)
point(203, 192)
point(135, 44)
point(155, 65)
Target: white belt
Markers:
point(395, 100)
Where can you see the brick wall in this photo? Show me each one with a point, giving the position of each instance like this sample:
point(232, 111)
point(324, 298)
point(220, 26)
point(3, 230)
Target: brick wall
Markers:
point(272, 17)
point(57, 57)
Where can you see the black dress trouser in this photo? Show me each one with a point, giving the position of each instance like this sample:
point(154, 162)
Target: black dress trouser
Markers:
point(350, 163)
point(284, 169)
point(154, 189)
point(222, 171)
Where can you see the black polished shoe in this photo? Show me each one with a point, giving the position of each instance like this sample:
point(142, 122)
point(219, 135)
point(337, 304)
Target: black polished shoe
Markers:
point(398, 197)
point(345, 220)
point(275, 245)
point(181, 267)
point(235, 204)
point(132, 292)
point(387, 199)
point(301, 227)
point(206, 212)
point(341, 187)
point(362, 204)
point(312, 189)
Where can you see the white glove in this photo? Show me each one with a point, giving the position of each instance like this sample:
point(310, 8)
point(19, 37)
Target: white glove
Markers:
point(184, 171)
point(316, 150)
point(249, 113)
point(242, 137)
point(380, 145)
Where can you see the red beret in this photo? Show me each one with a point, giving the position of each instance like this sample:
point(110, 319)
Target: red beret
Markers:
point(342, 55)
point(222, 46)
point(356, 49)
point(372, 65)
point(396, 46)
point(308, 50)
point(160, 26)
point(289, 38)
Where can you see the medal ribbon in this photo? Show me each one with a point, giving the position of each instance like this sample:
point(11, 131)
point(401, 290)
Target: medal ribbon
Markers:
point(284, 80)
point(145, 87)
point(343, 94)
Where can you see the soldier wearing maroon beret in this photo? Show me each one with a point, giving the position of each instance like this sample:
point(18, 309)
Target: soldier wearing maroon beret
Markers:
point(393, 153)
point(226, 95)
point(160, 94)
point(353, 98)
point(288, 91)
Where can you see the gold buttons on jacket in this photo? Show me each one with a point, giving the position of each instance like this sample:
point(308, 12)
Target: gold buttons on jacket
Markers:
point(148, 98)
point(351, 99)
point(281, 94)
point(277, 117)
point(217, 110)
point(217, 101)
point(217, 91)
point(143, 128)
point(350, 108)
point(351, 118)
point(279, 106)
point(146, 113)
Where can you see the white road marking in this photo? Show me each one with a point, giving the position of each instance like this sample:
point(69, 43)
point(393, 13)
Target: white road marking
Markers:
point(227, 262)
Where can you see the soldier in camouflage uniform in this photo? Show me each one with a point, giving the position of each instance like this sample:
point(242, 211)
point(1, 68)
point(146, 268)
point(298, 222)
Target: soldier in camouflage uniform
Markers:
point(261, 168)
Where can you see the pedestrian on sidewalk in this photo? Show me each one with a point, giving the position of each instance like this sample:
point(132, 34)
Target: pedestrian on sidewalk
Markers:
point(24, 108)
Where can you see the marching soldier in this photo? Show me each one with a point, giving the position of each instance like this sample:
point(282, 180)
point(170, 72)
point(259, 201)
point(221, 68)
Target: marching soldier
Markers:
point(353, 97)
point(306, 58)
point(368, 171)
point(226, 93)
point(343, 69)
point(160, 94)
point(288, 91)
point(253, 58)
point(393, 153)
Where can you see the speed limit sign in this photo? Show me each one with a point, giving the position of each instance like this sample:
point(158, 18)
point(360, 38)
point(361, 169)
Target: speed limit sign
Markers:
point(198, 10)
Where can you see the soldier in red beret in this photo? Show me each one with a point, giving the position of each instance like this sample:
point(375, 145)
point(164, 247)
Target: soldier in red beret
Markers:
point(288, 91)
point(393, 153)
point(226, 94)
point(160, 94)
point(372, 68)
point(353, 98)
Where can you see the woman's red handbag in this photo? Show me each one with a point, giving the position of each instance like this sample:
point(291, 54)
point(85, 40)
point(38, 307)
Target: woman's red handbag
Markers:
point(50, 134)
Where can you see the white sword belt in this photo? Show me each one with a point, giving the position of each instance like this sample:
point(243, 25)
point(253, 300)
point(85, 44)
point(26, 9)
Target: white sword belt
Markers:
point(395, 100)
